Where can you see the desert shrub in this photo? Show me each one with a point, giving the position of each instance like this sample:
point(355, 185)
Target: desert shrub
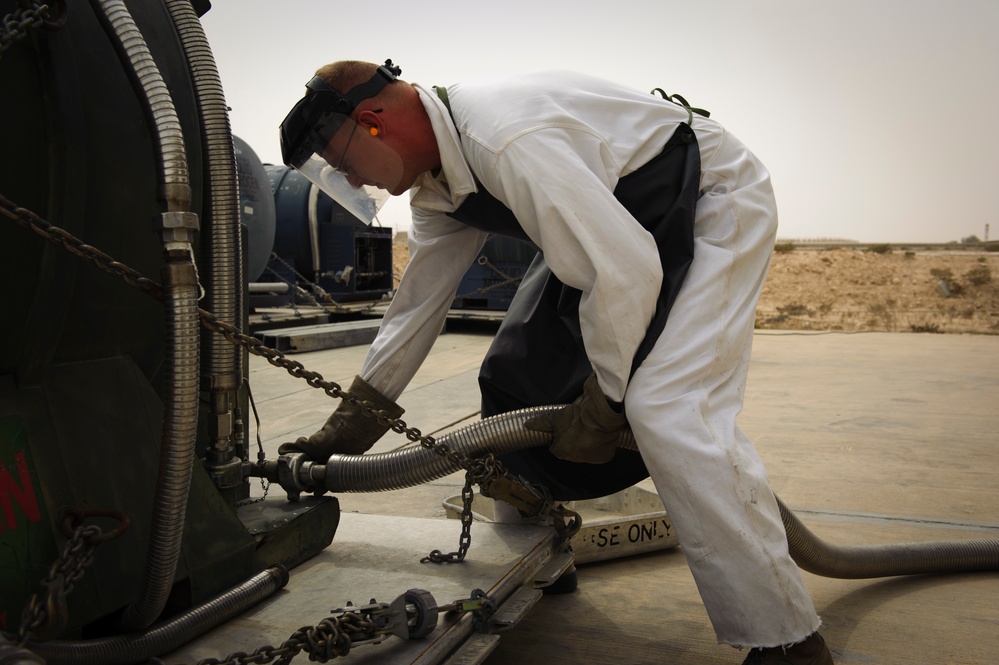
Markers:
point(978, 275)
point(924, 328)
point(879, 249)
point(794, 309)
point(884, 312)
point(784, 247)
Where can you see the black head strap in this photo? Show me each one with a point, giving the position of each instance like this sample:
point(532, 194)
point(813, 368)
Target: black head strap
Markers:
point(346, 104)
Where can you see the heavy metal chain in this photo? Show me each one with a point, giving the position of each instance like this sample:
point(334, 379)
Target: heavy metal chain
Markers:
point(337, 635)
point(16, 24)
point(330, 638)
point(46, 616)
point(465, 539)
point(481, 472)
point(29, 15)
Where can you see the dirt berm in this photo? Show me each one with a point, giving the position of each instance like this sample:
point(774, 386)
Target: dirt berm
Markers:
point(870, 288)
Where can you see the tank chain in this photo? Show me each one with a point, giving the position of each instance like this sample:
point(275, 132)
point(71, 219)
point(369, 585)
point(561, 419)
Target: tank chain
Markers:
point(30, 15)
point(465, 539)
point(17, 24)
point(483, 472)
point(329, 639)
point(45, 617)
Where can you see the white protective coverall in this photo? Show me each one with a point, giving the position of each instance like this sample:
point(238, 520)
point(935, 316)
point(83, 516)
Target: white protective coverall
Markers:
point(551, 147)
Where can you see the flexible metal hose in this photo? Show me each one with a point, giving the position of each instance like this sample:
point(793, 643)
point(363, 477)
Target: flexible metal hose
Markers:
point(154, 94)
point(408, 467)
point(855, 562)
point(506, 433)
point(168, 636)
point(180, 297)
point(222, 366)
point(224, 273)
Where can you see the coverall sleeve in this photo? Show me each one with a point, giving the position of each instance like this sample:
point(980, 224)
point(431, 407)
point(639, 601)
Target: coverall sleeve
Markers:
point(441, 250)
point(559, 182)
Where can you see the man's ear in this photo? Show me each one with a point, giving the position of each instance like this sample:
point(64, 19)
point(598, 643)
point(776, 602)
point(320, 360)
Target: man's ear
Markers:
point(371, 122)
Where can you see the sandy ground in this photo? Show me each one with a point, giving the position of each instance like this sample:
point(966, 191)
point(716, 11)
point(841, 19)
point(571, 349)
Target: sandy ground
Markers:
point(895, 291)
point(898, 290)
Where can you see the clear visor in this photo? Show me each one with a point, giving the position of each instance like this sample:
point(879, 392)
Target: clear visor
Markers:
point(363, 202)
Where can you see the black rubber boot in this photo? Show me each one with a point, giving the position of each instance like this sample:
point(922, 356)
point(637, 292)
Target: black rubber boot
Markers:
point(811, 651)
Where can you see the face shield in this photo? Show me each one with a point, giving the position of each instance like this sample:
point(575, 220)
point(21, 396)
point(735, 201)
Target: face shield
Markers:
point(316, 139)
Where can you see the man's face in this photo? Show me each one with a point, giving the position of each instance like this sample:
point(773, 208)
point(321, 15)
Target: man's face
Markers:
point(366, 160)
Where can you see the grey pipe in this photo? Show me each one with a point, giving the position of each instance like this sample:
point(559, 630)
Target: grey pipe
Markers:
point(506, 433)
point(180, 297)
point(169, 635)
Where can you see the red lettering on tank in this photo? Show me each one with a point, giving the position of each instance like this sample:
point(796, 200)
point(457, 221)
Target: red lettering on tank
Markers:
point(21, 493)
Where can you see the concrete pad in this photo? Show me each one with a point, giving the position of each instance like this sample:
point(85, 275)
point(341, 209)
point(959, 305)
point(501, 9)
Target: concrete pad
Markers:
point(871, 438)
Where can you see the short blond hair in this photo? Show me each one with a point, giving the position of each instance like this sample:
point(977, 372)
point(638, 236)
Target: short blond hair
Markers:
point(345, 74)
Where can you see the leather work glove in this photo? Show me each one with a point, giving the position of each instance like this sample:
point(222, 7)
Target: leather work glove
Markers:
point(586, 430)
point(348, 430)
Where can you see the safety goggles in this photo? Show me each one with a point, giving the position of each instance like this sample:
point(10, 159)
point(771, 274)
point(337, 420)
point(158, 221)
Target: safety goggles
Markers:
point(316, 135)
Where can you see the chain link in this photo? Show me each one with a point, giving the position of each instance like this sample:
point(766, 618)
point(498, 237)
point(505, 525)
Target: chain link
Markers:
point(45, 617)
point(465, 539)
point(16, 24)
point(330, 638)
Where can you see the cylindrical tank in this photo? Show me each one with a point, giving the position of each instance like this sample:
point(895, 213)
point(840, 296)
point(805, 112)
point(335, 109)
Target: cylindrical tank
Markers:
point(78, 151)
point(81, 353)
point(256, 208)
point(326, 244)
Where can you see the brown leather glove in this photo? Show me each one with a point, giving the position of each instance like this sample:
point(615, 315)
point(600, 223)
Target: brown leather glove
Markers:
point(586, 430)
point(349, 430)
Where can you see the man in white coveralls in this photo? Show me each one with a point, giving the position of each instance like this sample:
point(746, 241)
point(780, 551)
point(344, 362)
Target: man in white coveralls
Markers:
point(655, 229)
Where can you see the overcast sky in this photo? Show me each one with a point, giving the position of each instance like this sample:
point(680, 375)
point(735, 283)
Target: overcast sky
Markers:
point(878, 119)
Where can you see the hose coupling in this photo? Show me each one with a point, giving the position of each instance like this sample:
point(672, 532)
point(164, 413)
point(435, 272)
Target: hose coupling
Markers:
point(294, 474)
point(178, 228)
